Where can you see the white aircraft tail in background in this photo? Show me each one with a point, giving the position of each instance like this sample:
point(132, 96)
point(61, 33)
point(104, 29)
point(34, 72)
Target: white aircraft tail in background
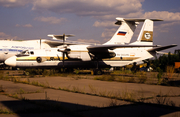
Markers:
point(146, 34)
point(126, 30)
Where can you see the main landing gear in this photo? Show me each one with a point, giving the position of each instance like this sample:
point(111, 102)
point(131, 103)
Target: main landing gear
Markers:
point(134, 67)
point(96, 72)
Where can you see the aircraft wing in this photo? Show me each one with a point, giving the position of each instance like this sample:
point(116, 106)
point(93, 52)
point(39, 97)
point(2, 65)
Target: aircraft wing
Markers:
point(59, 40)
point(111, 47)
point(54, 43)
point(161, 48)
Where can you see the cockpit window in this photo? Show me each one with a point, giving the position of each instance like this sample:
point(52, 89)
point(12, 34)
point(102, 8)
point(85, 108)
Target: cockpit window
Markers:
point(25, 52)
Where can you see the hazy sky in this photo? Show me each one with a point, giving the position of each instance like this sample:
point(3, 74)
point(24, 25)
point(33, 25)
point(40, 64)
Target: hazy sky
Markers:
point(89, 20)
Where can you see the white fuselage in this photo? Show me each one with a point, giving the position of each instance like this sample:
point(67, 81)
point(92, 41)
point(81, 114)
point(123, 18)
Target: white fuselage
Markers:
point(77, 57)
point(11, 48)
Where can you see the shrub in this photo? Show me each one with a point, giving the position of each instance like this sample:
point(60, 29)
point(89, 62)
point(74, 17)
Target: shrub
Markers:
point(169, 71)
point(105, 78)
point(159, 75)
point(131, 80)
point(142, 77)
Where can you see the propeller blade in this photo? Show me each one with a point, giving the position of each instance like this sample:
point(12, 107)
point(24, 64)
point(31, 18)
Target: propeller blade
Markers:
point(58, 57)
point(40, 43)
point(64, 38)
point(63, 60)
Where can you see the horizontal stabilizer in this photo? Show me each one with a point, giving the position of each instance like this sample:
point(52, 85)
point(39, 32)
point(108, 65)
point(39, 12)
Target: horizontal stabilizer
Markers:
point(142, 20)
point(60, 36)
point(161, 48)
point(119, 20)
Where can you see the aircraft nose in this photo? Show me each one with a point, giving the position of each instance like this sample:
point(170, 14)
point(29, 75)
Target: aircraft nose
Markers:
point(11, 61)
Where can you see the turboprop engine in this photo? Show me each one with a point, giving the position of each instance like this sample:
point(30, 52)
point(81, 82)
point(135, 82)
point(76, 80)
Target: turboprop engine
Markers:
point(83, 55)
point(74, 52)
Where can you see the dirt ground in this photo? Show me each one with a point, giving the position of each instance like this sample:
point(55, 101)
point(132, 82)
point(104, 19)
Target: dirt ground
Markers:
point(81, 95)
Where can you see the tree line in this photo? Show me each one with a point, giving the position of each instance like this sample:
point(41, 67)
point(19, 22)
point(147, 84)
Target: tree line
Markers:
point(165, 60)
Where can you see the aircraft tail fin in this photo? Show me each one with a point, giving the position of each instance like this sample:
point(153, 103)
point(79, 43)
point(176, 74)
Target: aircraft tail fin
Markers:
point(146, 34)
point(124, 33)
point(127, 27)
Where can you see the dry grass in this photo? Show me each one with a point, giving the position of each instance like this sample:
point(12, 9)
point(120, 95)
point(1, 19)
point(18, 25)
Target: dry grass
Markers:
point(169, 71)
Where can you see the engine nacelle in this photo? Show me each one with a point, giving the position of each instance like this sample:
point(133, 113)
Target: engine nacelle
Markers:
point(84, 56)
point(40, 59)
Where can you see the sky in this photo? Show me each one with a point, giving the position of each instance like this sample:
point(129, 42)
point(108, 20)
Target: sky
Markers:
point(89, 20)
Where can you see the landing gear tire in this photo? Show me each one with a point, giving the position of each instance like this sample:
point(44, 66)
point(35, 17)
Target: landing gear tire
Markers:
point(97, 72)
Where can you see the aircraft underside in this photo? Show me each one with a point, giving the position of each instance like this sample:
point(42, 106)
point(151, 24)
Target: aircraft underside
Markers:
point(71, 64)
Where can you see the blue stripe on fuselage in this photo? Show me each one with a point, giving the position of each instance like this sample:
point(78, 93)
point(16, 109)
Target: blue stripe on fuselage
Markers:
point(11, 50)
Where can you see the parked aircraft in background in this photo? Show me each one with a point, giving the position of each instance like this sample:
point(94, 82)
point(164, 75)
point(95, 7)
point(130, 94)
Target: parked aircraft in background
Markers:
point(109, 54)
point(11, 48)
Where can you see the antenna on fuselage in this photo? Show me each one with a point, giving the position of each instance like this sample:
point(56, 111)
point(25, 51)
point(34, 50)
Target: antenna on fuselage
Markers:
point(40, 43)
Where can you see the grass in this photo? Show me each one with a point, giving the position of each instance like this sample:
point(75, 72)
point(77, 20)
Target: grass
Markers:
point(131, 80)
point(122, 79)
point(113, 100)
point(77, 90)
point(142, 77)
point(105, 78)
point(115, 72)
point(164, 100)
point(113, 96)
point(21, 91)
point(169, 71)
point(6, 111)
point(113, 103)
point(117, 75)
point(93, 90)
point(123, 95)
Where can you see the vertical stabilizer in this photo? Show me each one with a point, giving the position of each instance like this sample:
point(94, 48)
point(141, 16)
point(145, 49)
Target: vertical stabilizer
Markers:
point(124, 33)
point(146, 33)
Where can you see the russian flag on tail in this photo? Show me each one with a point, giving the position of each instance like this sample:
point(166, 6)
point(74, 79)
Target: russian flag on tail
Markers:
point(121, 33)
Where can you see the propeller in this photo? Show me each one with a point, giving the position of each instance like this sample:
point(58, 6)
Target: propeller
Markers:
point(64, 37)
point(64, 50)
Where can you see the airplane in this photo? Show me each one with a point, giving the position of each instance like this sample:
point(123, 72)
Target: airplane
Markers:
point(93, 56)
point(10, 48)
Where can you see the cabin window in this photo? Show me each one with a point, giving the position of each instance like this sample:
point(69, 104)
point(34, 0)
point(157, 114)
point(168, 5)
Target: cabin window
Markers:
point(32, 52)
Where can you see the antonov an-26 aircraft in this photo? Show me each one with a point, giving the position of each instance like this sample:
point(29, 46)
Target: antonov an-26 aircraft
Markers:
point(109, 54)
point(11, 48)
